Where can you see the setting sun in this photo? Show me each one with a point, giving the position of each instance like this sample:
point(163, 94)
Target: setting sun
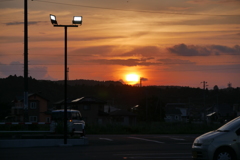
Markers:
point(132, 78)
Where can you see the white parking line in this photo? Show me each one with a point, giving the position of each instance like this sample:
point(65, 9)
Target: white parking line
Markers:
point(152, 154)
point(143, 139)
point(178, 156)
point(107, 139)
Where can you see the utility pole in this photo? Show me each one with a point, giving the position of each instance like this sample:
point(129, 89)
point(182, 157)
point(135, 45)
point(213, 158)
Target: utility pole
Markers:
point(204, 96)
point(140, 80)
point(25, 60)
point(204, 84)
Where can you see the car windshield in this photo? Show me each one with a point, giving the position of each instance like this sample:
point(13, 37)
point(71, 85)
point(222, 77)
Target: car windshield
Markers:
point(233, 124)
point(70, 115)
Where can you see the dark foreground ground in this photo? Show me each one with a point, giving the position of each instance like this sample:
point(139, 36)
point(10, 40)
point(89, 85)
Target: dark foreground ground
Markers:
point(111, 147)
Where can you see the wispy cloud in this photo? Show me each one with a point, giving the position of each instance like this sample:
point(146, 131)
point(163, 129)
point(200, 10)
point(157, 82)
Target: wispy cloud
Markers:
point(171, 62)
point(93, 51)
point(21, 23)
point(125, 62)
point(212, 1)
point(142, 51)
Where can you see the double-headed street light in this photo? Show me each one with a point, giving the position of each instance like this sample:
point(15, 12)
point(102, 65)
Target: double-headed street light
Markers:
point(77, 20)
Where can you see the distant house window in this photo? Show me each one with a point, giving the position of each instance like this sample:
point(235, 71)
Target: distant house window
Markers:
point(33, 105)
point(87, 107)
point(33, 119)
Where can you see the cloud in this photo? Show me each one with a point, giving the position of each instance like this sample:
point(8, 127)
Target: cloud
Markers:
point(17, 68)
point(12, 69)
point(142, 51)
point(11, 39)
point(21, 23)
point(218, 49)
point(171, 62)
point(95, 38)
point(139, 34)
point(93, 51)
point(124, 62)
point(179, 65)
point(229, 1)
point(190, 50)
point(144, 79)
point(210, 20)
point(179, 8)
point(38, 72)
point(205, 68)
point(194, 50)
point(198, 1)
point(212, 1)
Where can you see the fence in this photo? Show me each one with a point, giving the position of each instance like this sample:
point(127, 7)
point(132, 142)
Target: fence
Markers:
point(24, 127)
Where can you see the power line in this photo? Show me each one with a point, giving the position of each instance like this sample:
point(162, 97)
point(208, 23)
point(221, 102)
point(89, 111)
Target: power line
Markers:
point(117, 9)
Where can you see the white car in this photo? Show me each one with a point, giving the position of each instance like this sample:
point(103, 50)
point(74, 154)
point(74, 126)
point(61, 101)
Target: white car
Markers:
point(75, 122)
point(221, 144)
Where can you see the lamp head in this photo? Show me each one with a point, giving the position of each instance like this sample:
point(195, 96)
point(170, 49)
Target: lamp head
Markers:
point(53, 19)
point(77, 20)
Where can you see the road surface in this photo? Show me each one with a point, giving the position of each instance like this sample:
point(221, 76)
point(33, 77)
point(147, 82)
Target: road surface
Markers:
point(111, 147)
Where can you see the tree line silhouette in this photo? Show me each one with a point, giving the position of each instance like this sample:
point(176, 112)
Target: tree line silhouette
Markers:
point(150, 99)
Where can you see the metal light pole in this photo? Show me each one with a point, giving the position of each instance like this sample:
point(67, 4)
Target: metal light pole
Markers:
point(25, 61)
point(76, 20)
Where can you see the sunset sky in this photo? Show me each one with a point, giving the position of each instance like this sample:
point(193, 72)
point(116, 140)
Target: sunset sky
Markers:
point(166, 42)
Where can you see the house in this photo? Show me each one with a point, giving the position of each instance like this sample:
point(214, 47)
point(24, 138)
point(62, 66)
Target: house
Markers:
point(176, 112)
point(220, 112)
point(91, 108)
point(122, 117)
point(96, 111)
point(173, 115)
point(36, 112)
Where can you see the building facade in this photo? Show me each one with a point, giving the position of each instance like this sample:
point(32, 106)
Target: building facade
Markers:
point(37, 109)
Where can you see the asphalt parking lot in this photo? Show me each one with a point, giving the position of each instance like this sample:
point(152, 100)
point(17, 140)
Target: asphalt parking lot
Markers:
point(109, 147)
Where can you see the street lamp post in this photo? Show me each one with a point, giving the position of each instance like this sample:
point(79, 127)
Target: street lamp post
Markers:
point(76, 21)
